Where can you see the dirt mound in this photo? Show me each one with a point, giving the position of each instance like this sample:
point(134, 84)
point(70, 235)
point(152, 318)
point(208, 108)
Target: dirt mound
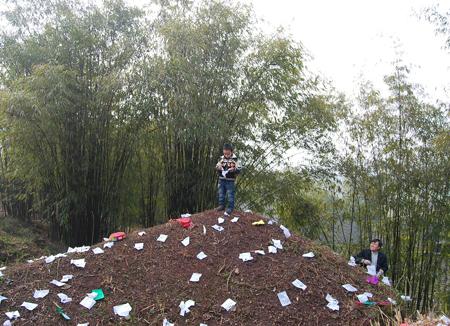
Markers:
point(155, 280)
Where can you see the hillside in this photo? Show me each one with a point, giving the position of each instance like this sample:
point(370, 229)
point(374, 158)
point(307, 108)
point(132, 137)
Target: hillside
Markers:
point(155, 280)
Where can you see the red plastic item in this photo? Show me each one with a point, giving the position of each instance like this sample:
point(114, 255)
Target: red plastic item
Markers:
point(185, 222)
point(117, 236)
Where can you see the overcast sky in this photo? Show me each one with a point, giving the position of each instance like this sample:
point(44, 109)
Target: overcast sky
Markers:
point(348, 38)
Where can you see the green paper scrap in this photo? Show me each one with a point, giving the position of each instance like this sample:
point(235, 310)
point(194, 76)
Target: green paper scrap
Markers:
point(60, 311)
point(100, 294)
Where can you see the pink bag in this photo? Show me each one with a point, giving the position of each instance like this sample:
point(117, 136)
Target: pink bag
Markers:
point(372, 280)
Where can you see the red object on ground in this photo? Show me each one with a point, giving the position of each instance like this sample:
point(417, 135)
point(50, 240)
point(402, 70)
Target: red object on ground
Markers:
point(185, 222)
point(372, 280)
point(117, 236)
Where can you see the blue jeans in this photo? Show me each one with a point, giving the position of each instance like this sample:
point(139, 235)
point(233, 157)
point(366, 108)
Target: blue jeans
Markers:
point(227, 188)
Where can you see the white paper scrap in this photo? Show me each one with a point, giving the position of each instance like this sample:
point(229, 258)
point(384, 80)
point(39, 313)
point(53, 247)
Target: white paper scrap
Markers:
point(139, 246)
point(235, 219)
point(167, 323)
point(3, 268)
point(84, 324)
point(220, 220)
point(248, 211)
point(333, 304)
point(12, 314)
point(308, 255)
point(368, 294)
point(2, 298)
point(7, 323)
point(445, 320)
point(229, 305)
point(286, 231)
point(352, 261)
point(122, 310)
point(64, 298)
point(201, 255)
point(217, 227)
point(260, 252)
point(29, 261)
point(78, 249)
point(245, 256)
point(204, 230)
point(29, 305)
point(185, 305)
point(141, 233)
point(406, 298)
point(362, 298)
point(349, 287)
point(40, 294)
point(186, 215)
point(195, 277)
point(60, 255)
point(162, 238)
point(284, 299)
point(87, 302)
point(78, 262)
point(185, 241)
point(66, 278)
point(201, 324)
point(50, 259)
point(97, 251)
point(272, 250)
point(57, 283)
point(386, 280)
point(299, 284)
point(108, 244)
point(371, 270)
point(277, 244)
point(392, 301)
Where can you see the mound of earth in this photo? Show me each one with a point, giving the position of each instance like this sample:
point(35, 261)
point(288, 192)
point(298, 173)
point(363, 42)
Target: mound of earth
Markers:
point(156, 279)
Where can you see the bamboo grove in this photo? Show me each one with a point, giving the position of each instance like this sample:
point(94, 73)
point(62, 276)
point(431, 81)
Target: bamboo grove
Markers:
point(114, 116)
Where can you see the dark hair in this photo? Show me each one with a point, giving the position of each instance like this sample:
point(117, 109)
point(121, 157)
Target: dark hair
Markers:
point(380, 244)
point(228, 146)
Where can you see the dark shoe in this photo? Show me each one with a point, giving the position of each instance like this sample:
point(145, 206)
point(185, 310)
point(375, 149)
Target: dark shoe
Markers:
point(220, 208)
point(229, 211)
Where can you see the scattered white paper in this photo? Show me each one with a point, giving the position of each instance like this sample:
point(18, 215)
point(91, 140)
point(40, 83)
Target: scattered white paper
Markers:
point(286, 231)
point(247, 211)
point(185, 241)
point(2, 298)
point(260, 252)
point(87, 302)
point(201, 255)
point(308, 255)
point(371, 270)
point(12, 314)
point(299, 284)
point(84, 324)
point(141, 233)
point(362, 298)
point(229, 305)
point(406, 298)
point(277, 244)
point(201, 324)
point(3, 268)
point(105, 239)
point(226, 214)
point(139, 246)
point(235, 219)
point(40, 294)
point(78, 249)
point(392, 301)
point(108, 244)
point(352, 261)
point(97, 251)
point(368, 294)
point(64, 298)
point(349, 288)
point(272, 250)
point(162, 238)
point(185, 305)
point(270, 222)
point(220, 220)
point(50, 259)
point(29, 305)
point(60, 255)
point(78, 262)
point(245, 256)
point(7, 323)
point(386, 280)
point(66, 278)
point(333, 304)
point(167, 323)
point(122, 310)
point(217, 227)
point(29, 261)
point(195, 277)
point(186, 215)
point(92, 295)
point(57, 283)
point(204, 230)
point(445, 320)
point(284, 299)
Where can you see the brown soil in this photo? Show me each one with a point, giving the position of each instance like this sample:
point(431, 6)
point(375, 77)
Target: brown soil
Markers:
point(155, 280)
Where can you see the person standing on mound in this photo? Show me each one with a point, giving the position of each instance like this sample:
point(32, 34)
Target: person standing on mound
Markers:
point(227, 169)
